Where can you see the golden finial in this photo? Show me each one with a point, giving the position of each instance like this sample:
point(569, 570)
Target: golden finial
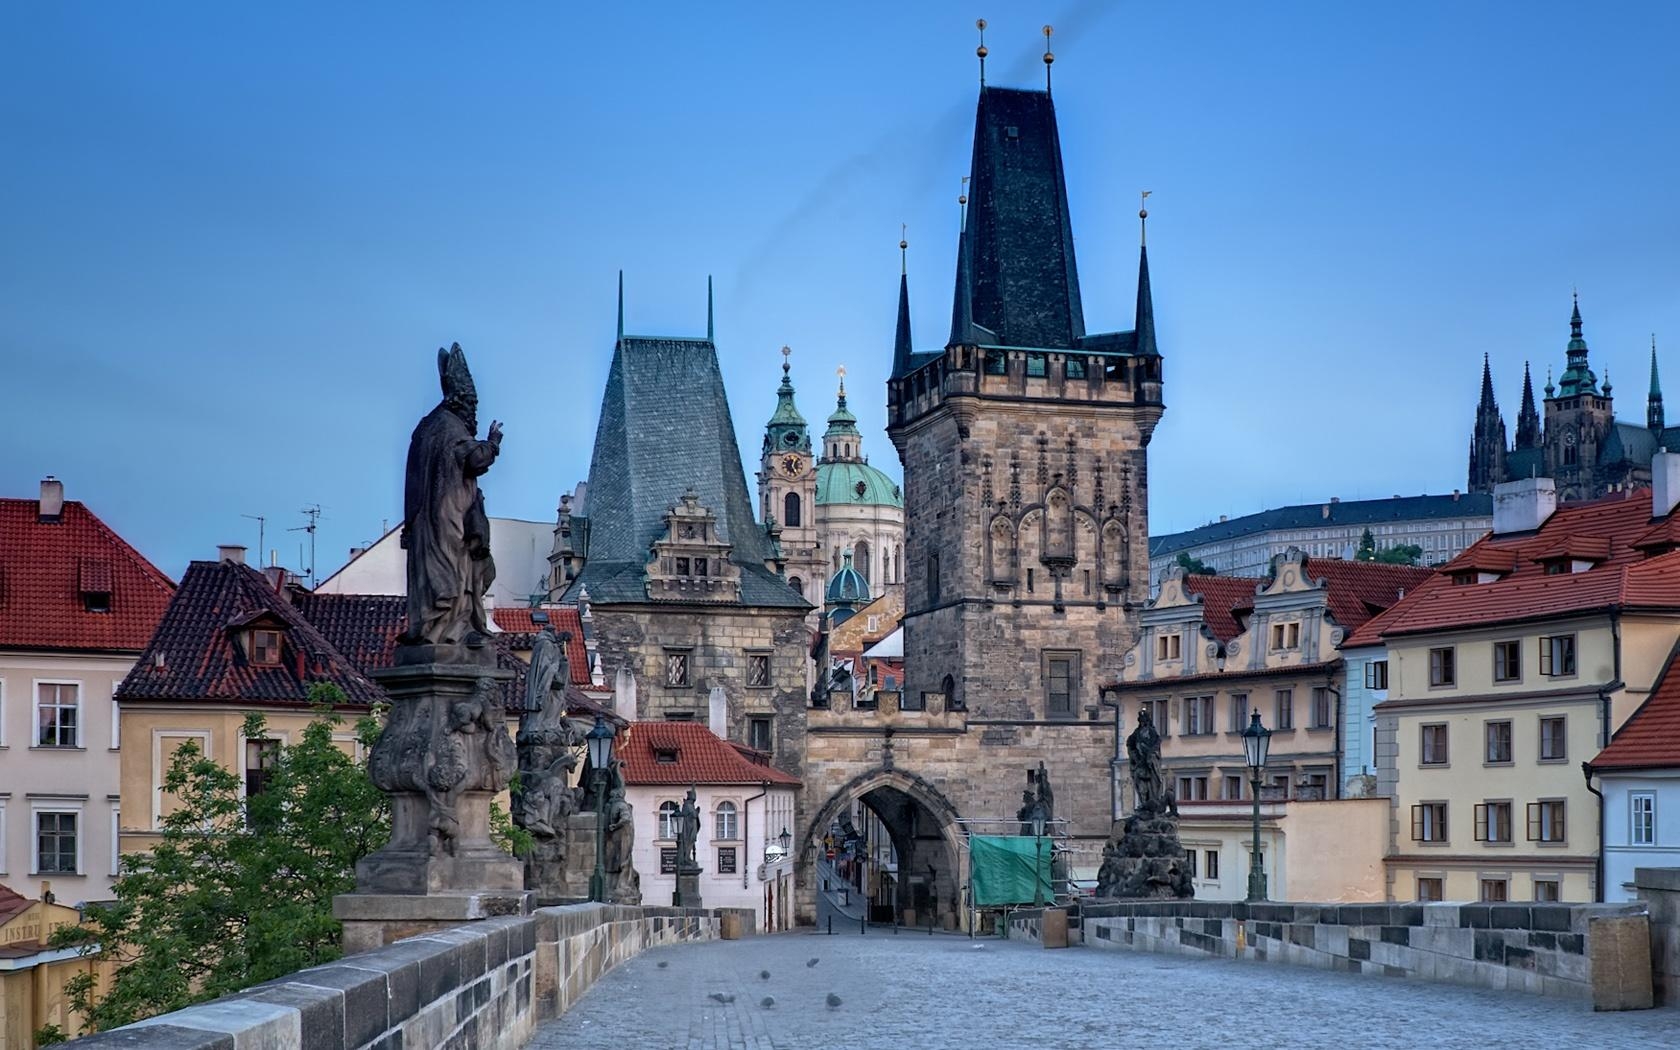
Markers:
point(1143, 215)
point(1049, 57)
point(981, 50)
point(841, 372)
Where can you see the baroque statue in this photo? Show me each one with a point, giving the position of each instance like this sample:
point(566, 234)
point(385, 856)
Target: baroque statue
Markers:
point(445, 529)
point(548, 746)
point(688, 833)
point(624, 884)
point(1143, 856)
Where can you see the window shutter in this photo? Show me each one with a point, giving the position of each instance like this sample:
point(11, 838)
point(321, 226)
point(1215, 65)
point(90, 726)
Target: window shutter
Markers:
point(1533, 821)
point(1417, 823)
point(1482, 822)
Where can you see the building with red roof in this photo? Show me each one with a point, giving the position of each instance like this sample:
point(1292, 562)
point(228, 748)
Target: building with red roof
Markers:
point(77, 606)
point(747, 818)
point(1508, 669)
point(1639, 776)
point(1215, 650)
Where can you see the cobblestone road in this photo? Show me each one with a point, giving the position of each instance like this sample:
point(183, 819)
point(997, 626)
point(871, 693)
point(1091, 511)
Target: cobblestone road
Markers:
point(916, 991)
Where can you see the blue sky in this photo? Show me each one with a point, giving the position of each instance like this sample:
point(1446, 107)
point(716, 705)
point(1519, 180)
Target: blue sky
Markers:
point(231, 239)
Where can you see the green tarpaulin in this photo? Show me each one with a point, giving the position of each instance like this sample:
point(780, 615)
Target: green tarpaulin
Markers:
point(1002, 869)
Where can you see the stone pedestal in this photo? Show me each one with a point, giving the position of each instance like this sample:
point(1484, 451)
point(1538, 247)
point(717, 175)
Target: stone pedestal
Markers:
point(688, 890)
point(1144, 858)
point(566, 881)
point(1619, 949)
point(1053, 928)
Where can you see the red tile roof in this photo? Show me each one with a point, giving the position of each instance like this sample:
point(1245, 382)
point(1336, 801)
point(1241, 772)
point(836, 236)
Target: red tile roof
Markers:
point(701, 757)
point(1222, 597)
point(45, 568)
point(12, 903)
point(1626, 578)
point(1650, 738)
point(521, 625)
point(1354, 592)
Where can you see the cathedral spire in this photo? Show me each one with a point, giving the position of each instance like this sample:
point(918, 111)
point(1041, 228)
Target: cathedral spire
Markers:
point(1653, 401)
point(1487, 438)
point(1145, 309)
point(1487, 386)
point(1577, 377)
point(901, 339)
point(1528, 420)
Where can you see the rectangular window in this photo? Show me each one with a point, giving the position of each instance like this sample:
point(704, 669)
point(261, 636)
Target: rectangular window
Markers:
point(116, 842)
point(1239, 712)
point(1061, 683)
point(1037, 365)
point(1441, 669)
point(1557, 655)
point(55, 843)
point(699, 566)
point(917, 701)
point(1168, 646)
point(1430, 889)
point(758, 734)
point(1233, 788)
point(1432, 744)
point(1495, 890)
point(997, 363)
point(726, 860)
point(265, 648)
point(1429, 822)
point(1507, 661)
point(1285, 709)
point(1643, 806)
point(1497, 736)
point(1192, 789)
point(1493, 822)
point(1376, 674)
point(58, 711)
point(1286, 636)
point(1547, 891)
point(1198, 715)
point(1075, 368)
point(1553, 747)
point(682, 566)
point(1190, 862)
point(667, 862)
point(1212, 858)
point(676, 669)
point(1323, 711)
point(1545, 821)
point(758, 670)
point(259, 761)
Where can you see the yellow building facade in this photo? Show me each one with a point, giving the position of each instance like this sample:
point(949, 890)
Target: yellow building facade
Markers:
point(32, 973)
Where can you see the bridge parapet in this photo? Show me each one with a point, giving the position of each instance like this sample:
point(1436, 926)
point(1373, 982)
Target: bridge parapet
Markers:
point(484, 984)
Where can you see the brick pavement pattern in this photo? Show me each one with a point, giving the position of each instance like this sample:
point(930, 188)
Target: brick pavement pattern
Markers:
point(916, 991)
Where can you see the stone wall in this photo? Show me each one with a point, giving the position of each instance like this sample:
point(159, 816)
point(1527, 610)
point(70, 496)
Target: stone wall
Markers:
point(1659, 888)
point(484, 985)
point(1537, 948)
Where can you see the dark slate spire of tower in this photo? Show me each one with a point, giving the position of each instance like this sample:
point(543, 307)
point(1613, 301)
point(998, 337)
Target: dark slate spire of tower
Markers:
point(901, 339)
point(1145, 308)
point(1528, 420)
point(1578, 377)
point(1021, 285)
point(962, 317)
point(1487, 401)
point(1653, 400)
point(1487, 439)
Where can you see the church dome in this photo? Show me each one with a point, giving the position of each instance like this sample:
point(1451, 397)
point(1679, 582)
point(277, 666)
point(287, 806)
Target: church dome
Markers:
point(856, 482)
point(848, 587)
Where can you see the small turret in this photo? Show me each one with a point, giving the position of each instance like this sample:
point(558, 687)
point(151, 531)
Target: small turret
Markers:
point(1653, 400)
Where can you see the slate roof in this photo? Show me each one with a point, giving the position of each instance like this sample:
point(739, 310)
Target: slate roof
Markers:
point(1650, 738)
point(46, 566)
point(1626, 578)
point(701, 758)
point(665, 428)
point(1310, 515)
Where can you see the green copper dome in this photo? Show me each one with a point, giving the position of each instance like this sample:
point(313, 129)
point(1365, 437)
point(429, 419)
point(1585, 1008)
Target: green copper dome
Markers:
point(848, 587)
point(848, 481)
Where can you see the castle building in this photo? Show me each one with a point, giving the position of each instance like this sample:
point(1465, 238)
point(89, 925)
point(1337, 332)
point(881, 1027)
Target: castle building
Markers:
point(1026, 533)
point(1579, 444)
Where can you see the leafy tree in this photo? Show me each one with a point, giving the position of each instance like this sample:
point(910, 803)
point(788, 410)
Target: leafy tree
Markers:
point(1195, 566)
point(1399, 554)
point(1367, 547)
point(238, 890)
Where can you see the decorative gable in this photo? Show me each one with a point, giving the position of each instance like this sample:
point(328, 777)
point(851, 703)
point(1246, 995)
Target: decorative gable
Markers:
point(690, 563)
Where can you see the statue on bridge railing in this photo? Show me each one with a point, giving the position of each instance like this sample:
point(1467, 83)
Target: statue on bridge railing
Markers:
point(549, 744)
point(624, 884)
point(688, 833)
point(1143, 857)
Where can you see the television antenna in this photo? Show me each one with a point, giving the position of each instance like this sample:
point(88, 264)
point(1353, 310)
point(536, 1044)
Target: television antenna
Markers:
point(262, 524)
point(313, 513)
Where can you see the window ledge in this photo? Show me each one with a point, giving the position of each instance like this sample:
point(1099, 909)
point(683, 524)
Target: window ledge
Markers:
point(1498, 765)
point(1552, 761)
point(1434, 765)
point(55, 747)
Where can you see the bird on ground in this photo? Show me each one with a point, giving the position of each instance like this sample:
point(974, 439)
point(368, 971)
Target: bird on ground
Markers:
point(813, 962)
point(767, 1002)
point(722, 998)
point(663, 963)
point(764, 975)
point(833, 1000)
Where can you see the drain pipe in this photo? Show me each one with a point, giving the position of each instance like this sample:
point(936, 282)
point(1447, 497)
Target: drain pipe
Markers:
point(746, 830)
point(1341, 717)
point(1111, 698)
point(1598, 863)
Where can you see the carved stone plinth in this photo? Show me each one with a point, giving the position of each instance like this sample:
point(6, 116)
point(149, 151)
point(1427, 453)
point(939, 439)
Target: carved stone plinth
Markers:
point(687, 894)
point(1144, 858)
point(564, 879)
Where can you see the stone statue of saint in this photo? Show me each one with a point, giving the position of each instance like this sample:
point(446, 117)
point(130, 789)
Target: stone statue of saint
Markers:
point(1046, 796)
point(545, 682)
point(688, 833)
point(623, 882)
point(1143, 750)
point(445, 529)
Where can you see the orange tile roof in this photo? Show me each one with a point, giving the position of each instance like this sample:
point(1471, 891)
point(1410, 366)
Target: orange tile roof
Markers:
point(1354, 592)
point(1222, 596)
point(46, 567)
point(1625, 578)
point(565, 619)
point(1650, 738)
point(701, 757)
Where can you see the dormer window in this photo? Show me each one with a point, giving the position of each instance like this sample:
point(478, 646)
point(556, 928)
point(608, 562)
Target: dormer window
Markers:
point(682, 566)
point(96, 601)
point(1286, 636)
point(265, 648)
point(665, 756)
point(1168, 646)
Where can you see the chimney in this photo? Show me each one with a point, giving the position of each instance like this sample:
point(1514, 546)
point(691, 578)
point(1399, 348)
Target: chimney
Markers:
point(231, 552)
point(276, 577)
point(717, 712)
point(1523, 505)
point(52, 500)
point(1665, 482)
point(1455, 495)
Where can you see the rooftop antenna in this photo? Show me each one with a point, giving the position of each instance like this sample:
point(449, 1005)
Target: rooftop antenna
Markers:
point(262, 523)
point(1143, 218)
point(1049, 57)
point(981, 50)
point(313, 513)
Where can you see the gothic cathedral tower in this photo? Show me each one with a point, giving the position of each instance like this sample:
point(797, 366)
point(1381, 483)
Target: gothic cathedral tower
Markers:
point(787, 491)
point(1024, 443)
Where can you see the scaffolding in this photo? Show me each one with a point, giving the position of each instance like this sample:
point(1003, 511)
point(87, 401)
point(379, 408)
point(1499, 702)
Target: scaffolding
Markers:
point(1062, 852)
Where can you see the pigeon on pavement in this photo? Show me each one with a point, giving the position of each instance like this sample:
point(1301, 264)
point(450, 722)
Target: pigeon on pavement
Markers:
point(813, 962)
point(722, 998)
point(767, 1002)
point(833, 1000)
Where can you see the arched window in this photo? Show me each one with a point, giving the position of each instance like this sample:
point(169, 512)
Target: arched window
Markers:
point(860, 559)
point(949, 688)
point(726, 822)
point(797, 584)
point(790, 509)
point(669, 819)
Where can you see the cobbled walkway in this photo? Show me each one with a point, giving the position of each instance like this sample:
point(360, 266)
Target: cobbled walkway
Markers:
point(929, 993)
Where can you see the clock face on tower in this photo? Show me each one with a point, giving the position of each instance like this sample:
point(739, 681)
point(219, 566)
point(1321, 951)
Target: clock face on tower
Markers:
point(792, 465)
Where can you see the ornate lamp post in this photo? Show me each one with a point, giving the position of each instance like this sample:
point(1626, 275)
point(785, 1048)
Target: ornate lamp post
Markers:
point(786, 840)
point(1038, 852)
point(600, 740)
point(1257, 740)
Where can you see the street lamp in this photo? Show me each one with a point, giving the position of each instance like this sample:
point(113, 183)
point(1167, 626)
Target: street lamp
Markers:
point(786, 839)
point(1257, 740)
point(600, 740)
point(1038, 852)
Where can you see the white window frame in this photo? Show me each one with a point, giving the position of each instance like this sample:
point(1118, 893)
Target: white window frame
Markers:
point(116, 722)
point(56, 807)
point(659, 820)
point(35, 713)
point(734, 820)
point(1634, 799)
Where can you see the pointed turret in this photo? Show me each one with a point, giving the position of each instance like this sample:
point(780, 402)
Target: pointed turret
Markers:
point(786, 431)
point(1653, 400)
point(841, 441)
point(1487, 438)
point(901, 339)
point(1145, 308)
point(1577, 378)
point(962, 315)
point(1487, 401)
point(1528, 419)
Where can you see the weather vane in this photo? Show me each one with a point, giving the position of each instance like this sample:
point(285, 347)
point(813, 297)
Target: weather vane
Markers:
point(1143, 214)
point(1049, 57)
point(981, 50)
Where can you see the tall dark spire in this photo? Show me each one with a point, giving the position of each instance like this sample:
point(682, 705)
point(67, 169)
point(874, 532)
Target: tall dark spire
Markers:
point(901, 339)
point(621, 304)
point(1528, 420)
point(1487, 401)
point(962, 316)
point(1487, 438)
point(1145, 308)
point(1578, 377)
point(1653, 400)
